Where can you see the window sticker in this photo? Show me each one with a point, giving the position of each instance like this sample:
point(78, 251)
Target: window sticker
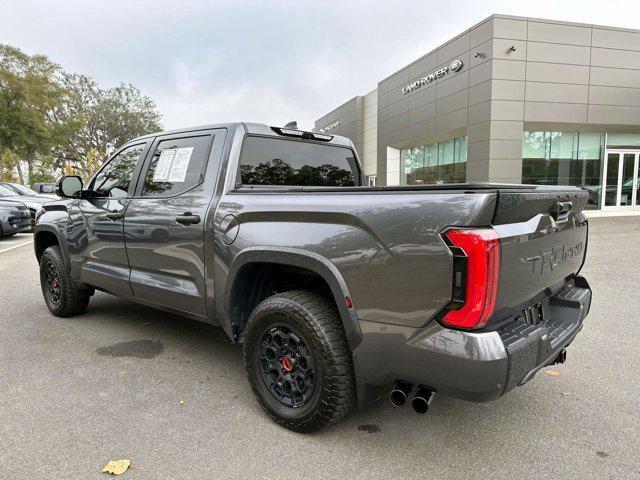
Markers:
point(180, 164)
point(163, 167)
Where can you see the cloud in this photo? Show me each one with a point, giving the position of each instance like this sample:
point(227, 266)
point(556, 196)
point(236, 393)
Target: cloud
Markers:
point(244, 102)
point(271, 62)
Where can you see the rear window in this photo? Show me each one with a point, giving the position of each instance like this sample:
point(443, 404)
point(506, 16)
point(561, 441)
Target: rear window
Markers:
point(275, 161)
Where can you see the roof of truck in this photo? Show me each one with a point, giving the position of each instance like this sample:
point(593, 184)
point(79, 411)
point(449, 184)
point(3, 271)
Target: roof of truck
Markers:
point(187, 129)
point(254, 128)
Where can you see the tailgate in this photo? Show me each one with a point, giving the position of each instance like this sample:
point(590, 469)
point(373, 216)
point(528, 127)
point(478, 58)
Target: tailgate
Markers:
point(543, 238)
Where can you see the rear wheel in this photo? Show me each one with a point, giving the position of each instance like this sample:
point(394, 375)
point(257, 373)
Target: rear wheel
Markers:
point(298, 361)
point(60, 293)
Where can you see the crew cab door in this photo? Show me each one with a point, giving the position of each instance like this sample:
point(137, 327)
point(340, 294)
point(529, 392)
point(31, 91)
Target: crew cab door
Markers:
point(165, 222)
point(95, 235)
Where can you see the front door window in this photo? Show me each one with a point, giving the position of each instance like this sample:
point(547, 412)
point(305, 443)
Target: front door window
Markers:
point(115, 177)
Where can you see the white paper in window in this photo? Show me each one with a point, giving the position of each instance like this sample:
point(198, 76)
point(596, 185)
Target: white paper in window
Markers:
point(180, 164)
point(163, 167)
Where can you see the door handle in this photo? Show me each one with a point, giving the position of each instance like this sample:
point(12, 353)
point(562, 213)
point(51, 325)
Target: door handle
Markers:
point(114, 216)
point(188, 219)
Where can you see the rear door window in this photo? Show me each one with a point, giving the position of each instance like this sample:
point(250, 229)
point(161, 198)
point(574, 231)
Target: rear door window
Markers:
point(177, 165)
point(273, 161)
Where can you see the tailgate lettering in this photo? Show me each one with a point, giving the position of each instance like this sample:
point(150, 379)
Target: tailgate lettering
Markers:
point(549, 259)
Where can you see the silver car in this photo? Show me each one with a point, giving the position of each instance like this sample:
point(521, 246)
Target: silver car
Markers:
point(22, 194)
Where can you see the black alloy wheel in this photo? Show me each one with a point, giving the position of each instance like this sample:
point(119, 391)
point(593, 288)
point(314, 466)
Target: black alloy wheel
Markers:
point(52, 283)
point(61, 294)
point(298, 361)
point(287, 368)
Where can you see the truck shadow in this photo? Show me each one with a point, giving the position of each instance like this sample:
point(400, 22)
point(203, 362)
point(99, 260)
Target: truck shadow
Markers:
point(186, 336)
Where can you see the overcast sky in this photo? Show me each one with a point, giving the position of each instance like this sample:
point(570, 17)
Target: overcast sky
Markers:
point(272, 62)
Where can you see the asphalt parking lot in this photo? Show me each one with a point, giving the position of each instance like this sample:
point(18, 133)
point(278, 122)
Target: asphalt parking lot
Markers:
point(75, 393)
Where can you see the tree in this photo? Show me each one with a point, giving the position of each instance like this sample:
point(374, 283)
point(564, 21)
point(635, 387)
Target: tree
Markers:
point(53, 121)
point(96, 121)
point(8, 166)
point(29, 92)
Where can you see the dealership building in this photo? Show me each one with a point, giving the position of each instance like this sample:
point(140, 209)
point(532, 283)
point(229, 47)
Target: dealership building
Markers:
point(511, 99)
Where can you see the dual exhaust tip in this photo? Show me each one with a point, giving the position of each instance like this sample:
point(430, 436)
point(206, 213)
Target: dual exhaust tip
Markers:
point(420, 402)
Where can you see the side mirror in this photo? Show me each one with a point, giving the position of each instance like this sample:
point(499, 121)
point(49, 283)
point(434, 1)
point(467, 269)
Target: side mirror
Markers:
point(69, 186)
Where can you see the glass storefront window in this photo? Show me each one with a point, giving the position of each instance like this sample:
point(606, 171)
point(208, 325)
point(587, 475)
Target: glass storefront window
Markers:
point(623, 140)
point(564, 158)
point(441, 162)
point(563, 145)
point(534, 145)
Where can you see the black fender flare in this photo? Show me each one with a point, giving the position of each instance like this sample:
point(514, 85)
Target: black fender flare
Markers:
point(45, 227)
point(304, 259)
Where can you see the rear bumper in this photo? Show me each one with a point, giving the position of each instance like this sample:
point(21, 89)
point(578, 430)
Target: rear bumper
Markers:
point(473, 366)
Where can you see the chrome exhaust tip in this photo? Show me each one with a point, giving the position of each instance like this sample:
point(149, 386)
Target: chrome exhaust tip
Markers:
point(399, 394)
point(421, 401)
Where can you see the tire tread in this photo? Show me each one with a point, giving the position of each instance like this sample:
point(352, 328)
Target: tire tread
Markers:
point(321, 314)
point(73, 301)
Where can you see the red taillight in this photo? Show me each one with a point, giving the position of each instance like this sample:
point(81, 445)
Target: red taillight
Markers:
point(481, 248)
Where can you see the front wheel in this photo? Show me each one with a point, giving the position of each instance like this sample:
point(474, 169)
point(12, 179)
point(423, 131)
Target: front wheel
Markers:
point(61, 295)
point(298, 361)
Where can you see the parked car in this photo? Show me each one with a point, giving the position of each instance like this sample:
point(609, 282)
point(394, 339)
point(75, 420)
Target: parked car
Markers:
point(15, 217)
point(24, 195)
point(45, 188)
point(23, 190)
point(334, 289)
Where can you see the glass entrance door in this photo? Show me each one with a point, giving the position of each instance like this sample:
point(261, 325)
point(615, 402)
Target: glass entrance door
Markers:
point(620, 180)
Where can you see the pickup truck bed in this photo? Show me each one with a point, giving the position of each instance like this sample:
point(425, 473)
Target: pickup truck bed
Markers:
point(464, 289)
point(387, 245)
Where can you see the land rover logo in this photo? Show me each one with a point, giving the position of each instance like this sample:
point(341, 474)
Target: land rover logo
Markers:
point(453, 67)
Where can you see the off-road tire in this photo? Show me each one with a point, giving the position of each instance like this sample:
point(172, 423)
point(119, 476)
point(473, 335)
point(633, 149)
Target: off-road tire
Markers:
point(71, 300)
point(317, 320)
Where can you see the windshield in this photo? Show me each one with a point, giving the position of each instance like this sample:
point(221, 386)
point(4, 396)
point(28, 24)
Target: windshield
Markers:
point(20, 189)
point(6, 192)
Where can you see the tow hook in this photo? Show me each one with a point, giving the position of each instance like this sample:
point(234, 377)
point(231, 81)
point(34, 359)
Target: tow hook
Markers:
point(561, 358)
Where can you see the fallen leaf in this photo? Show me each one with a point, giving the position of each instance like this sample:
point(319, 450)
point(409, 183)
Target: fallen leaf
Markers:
point(117, 467)
point(553, 373)
point(181, 402)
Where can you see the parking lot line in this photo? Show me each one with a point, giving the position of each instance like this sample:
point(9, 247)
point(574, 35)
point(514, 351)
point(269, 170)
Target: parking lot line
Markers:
point(16, 246)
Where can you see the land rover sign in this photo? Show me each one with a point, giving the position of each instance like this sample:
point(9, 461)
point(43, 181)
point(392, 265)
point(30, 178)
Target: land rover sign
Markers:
point(453, 67)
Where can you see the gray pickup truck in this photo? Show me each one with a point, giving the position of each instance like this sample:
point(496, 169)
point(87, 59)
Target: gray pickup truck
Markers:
point(336, 290)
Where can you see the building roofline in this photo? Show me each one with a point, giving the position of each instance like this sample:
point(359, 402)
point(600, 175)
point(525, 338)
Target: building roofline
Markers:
point(482, 22)
point(510, 17)
point(341, 105)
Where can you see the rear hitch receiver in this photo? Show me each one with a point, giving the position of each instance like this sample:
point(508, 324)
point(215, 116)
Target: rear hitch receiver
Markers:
point(562, 357)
